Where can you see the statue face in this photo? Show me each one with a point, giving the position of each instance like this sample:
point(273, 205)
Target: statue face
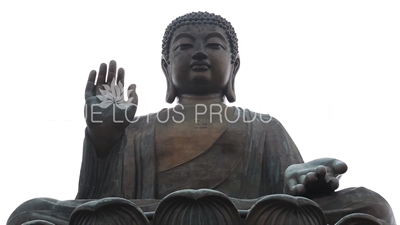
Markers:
point(200, 59)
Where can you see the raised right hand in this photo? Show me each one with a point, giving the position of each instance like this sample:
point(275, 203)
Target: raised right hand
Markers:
point(106, 111)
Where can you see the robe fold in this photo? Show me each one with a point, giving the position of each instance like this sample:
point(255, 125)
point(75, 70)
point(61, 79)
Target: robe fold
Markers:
point(130, 171)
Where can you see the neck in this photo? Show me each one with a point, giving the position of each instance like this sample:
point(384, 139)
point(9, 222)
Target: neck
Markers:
point(188, 99)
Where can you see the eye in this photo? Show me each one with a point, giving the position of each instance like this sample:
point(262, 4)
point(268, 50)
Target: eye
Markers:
point(183, 46)
point(216, 46)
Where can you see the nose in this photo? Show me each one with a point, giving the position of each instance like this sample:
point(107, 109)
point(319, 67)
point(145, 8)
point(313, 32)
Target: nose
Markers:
point(199, 55)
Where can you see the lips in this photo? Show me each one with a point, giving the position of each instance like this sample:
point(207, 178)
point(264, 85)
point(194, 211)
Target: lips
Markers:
point(200, 65)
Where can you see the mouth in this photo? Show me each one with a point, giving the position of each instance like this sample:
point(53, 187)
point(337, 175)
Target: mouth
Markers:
point(200, 66)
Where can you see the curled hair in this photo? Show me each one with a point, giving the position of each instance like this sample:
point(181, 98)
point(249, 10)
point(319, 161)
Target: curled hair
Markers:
point(200, 18)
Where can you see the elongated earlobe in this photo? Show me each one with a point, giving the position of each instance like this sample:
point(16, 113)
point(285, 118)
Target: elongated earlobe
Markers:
point(171, 93)
point(230, 89)
point(170, 97)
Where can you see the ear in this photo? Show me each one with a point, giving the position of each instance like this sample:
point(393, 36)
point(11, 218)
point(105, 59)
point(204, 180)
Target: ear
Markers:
point(171, 94)
point(230, 89)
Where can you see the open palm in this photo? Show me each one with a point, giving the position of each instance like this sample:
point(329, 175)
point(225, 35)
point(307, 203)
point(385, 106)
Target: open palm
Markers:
point(106, 111)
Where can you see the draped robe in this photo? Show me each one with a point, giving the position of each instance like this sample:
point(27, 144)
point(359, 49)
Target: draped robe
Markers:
point(129, 171)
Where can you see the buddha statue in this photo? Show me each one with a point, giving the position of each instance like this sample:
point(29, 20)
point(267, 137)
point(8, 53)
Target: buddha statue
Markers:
point(199, 144)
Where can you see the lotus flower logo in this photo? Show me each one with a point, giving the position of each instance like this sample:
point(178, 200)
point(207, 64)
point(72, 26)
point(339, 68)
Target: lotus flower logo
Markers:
point(114, 94)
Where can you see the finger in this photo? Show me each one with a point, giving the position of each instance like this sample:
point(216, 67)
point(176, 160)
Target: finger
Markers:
point(302, 178)
point(298, 189)
point(89, 91)
point(132, 97)
point(328, 177)
point(291, 183)
point(112, 70)
point(121, 76)
point(320, 171)
point(333, 183)
point(132, 101)
point(339, 167)
point(310, 178)
point(101, 79)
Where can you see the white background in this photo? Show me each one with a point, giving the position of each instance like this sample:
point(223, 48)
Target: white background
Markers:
point(328, 70)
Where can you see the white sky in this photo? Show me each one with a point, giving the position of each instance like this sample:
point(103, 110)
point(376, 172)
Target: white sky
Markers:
point(328, 70)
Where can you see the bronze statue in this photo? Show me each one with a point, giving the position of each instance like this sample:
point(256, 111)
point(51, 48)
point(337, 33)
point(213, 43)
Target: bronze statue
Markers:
point(201, 143)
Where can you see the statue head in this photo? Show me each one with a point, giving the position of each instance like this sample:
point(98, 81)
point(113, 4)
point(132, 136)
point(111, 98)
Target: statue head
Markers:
point(200, 56)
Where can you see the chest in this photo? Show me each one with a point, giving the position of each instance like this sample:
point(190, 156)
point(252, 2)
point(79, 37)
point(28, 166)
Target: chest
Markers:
point(180, 140)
